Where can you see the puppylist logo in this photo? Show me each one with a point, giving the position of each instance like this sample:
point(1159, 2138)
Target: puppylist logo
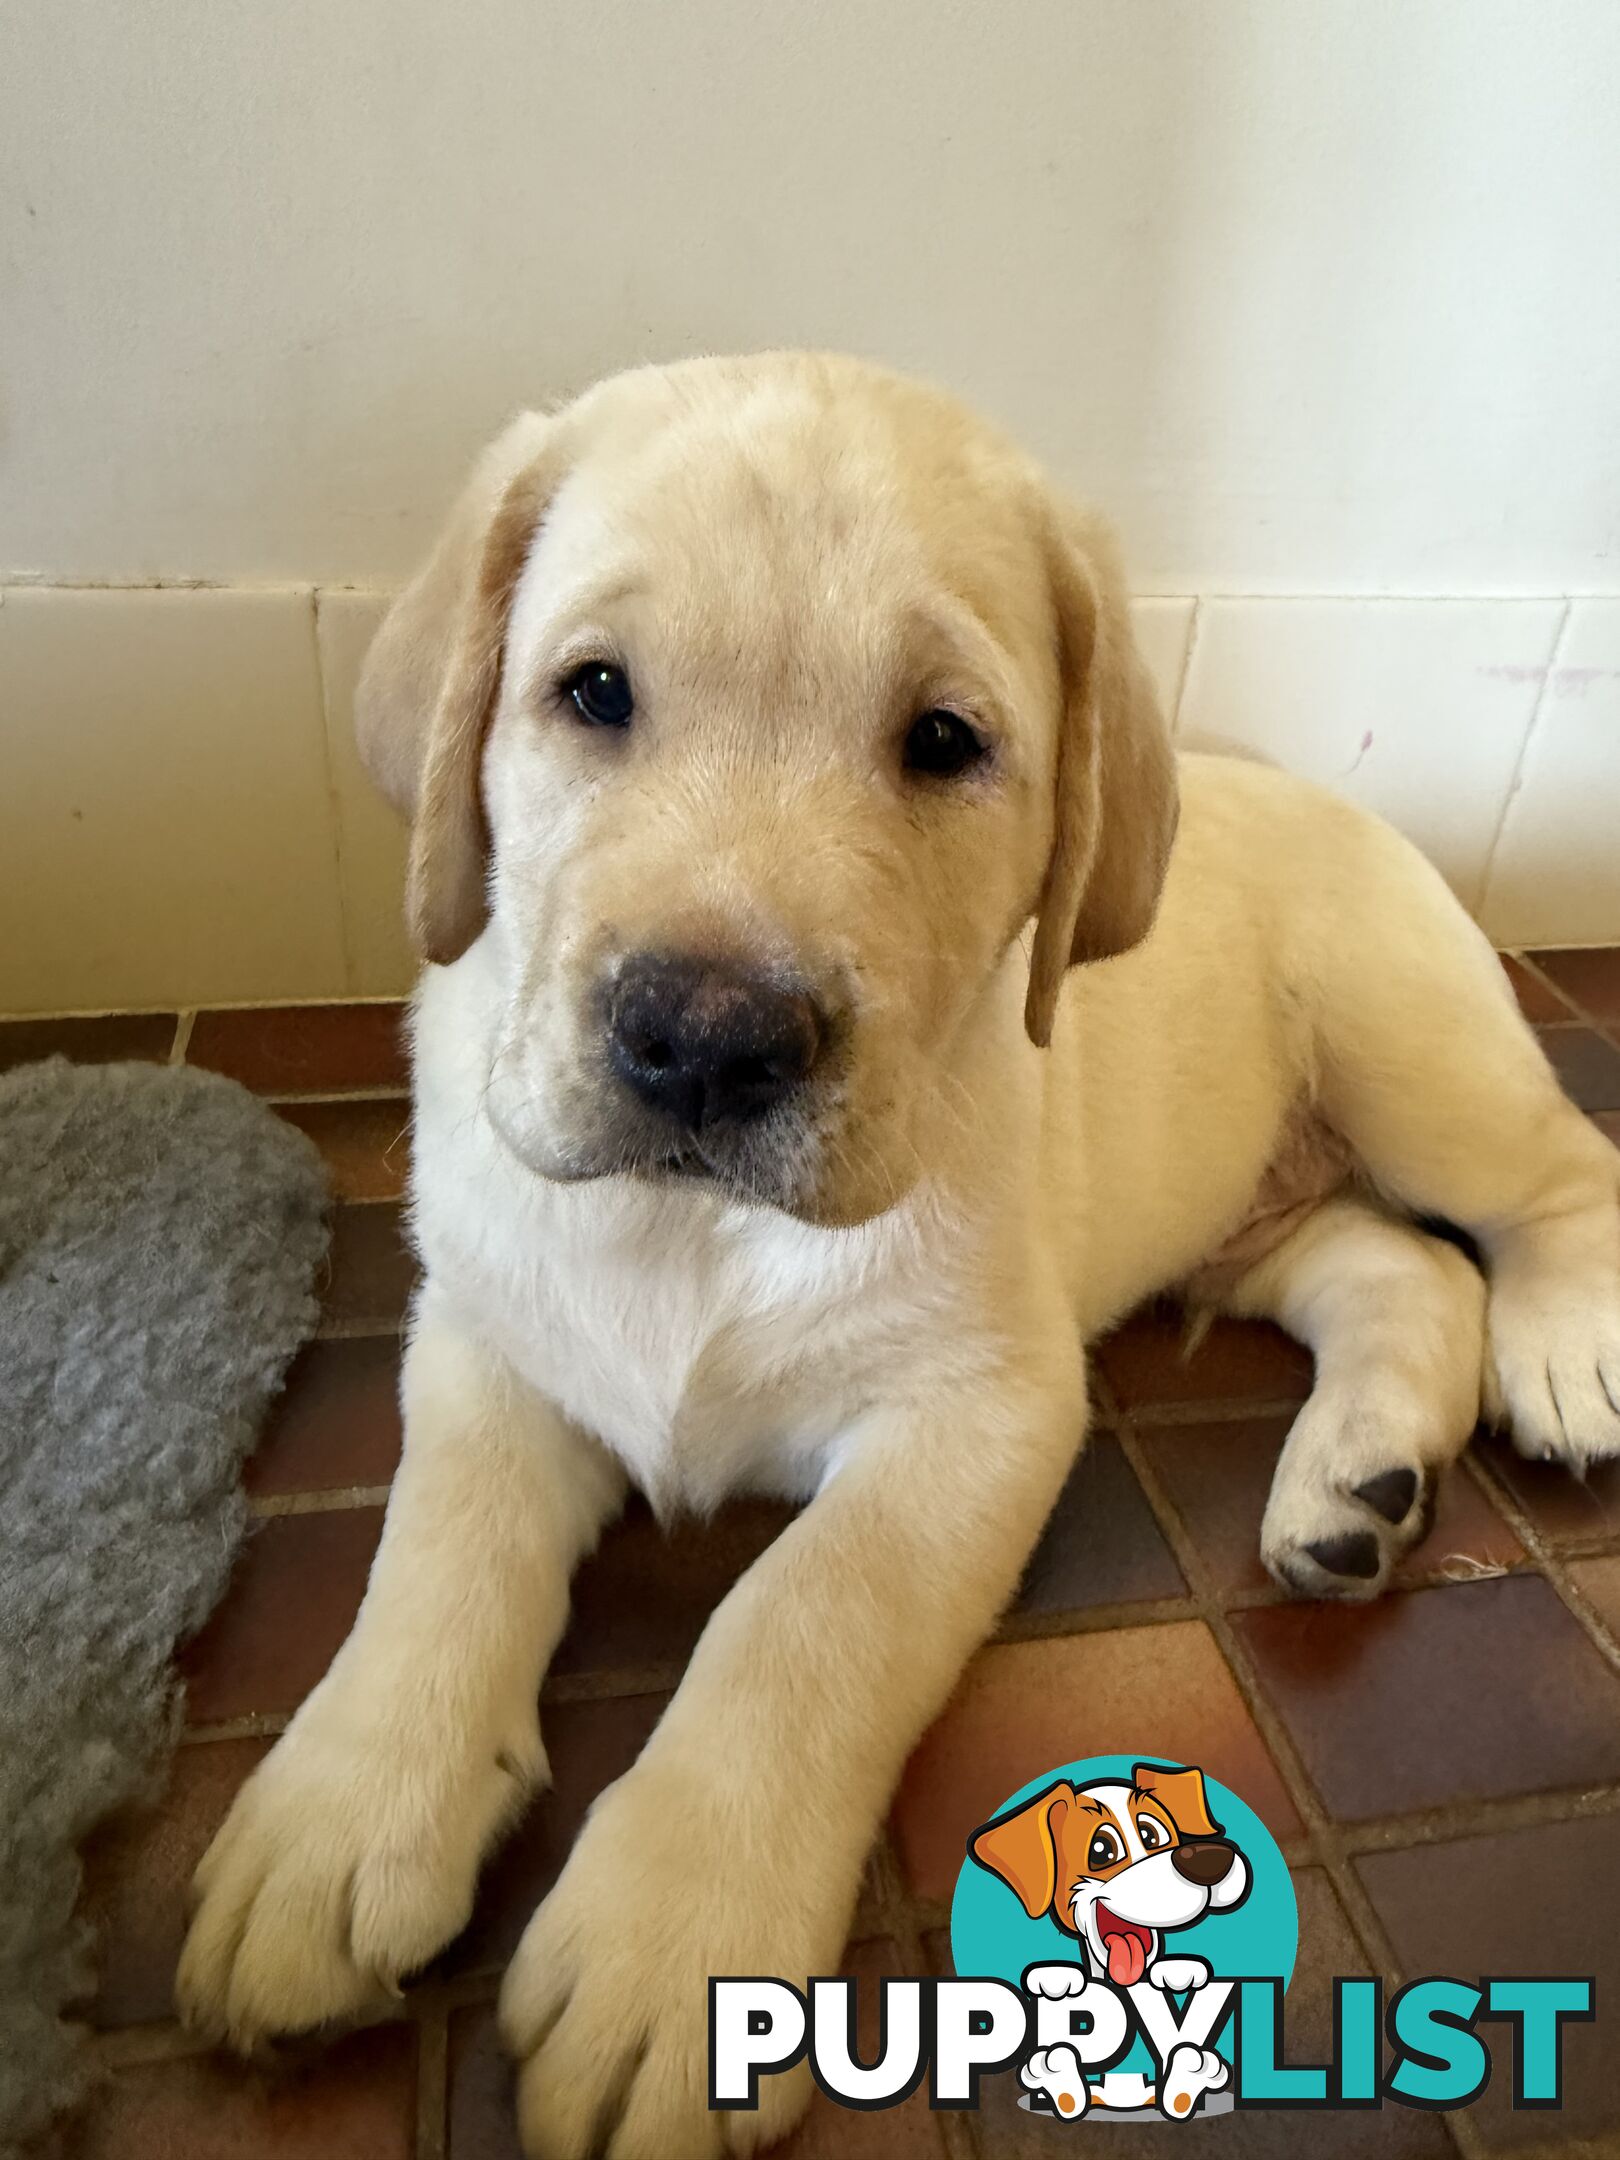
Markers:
point(1124, 1931)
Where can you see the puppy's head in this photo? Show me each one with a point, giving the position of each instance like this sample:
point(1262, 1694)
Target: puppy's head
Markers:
point(1117, 1864)
point(748, 711)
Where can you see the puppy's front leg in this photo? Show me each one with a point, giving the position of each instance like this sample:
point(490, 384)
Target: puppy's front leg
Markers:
point(736, 1843)
point(350, 1856)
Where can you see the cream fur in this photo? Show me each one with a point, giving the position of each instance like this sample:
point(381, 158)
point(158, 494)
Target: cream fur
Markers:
point(795, 553)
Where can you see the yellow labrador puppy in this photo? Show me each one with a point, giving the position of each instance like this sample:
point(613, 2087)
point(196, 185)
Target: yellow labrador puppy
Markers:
point(830, 1027)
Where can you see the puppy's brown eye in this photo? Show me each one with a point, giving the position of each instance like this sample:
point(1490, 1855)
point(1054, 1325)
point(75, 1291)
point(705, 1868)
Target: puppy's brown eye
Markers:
point(601, 694)
point(941, 744)
point(1151, 1833)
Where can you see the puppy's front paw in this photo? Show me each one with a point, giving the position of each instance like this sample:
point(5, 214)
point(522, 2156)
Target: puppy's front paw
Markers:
point(606, 2004)
point(1175, 1975)
point(1353, 1493)
point(343, 1865)
point(1056, 1981)
point(1555, 1366)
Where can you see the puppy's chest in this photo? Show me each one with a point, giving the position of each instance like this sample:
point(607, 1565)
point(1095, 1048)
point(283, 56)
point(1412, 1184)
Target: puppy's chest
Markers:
point(710, 1360)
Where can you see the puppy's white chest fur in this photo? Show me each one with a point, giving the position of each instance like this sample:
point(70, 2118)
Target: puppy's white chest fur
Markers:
point(711, 1347)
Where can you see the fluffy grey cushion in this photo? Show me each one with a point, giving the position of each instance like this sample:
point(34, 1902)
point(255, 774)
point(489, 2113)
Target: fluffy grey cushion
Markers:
point(160, 1233)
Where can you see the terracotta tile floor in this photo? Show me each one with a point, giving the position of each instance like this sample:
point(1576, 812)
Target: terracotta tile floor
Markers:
point(1443, 1769)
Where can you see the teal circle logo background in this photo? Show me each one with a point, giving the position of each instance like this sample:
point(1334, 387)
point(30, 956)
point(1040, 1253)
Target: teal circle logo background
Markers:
point(992, 1935)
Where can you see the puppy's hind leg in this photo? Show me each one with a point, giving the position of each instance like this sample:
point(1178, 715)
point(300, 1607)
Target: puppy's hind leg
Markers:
point(1396, 1320)
point(1441, 1090)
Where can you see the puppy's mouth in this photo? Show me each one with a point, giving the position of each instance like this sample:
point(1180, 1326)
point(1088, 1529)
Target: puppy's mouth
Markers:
point(690, 1166)
point(679, 1163)
point(1125, 1945)
point(762, 1179)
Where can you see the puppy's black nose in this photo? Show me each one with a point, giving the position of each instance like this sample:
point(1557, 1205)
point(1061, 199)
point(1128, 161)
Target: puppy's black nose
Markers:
point(1205, 1862)
point(703, 1042)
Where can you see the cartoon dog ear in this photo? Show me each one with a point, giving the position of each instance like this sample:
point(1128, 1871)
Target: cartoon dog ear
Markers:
point(1022, 1847)
point(1182, 1796)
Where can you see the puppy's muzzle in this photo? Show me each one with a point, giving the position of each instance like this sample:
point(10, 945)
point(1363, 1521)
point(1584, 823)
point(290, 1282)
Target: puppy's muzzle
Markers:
point(1204, 1862)
point(707, 1044)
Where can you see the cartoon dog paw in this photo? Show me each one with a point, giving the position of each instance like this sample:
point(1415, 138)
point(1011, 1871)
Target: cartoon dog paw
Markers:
point(1057, 1981)
point(1056, 2072)
point(1188, 2075)
point(1177, 1974)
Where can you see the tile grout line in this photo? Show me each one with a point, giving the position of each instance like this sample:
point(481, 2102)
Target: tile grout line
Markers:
point(1078, 1620)
point(253, 1725)
point(178, 581)
point(184, 1021)
point(1608, 1029)
point(334, 798)
point(1525, 957)
point(1322, 1836)
point(131, 2047)
point(431, 2017)
point(369, 1328)
point(1215, 1410)
point(1184, 674)
point(161, 1007)
point(303, 1098)
point(1543, 698)
point(334, 1500)
point(1550, 1561)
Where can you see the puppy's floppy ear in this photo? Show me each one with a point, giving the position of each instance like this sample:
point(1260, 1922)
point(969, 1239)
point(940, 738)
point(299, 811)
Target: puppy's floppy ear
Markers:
point(1022, 1847)
point(1182, 1796)
point(431, 679)
point(1116, 775)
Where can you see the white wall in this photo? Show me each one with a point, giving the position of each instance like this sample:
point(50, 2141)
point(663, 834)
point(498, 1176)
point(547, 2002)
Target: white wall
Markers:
point(1319, 299)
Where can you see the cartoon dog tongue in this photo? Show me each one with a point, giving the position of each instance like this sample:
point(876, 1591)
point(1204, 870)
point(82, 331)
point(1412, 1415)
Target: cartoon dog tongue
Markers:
point(1127, 1957)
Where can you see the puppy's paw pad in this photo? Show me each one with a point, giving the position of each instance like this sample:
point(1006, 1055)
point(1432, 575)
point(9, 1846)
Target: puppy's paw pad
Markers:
point(1391, 1493)
point(1353, 1564)
point(1349, 1543)
point(1355, 1554)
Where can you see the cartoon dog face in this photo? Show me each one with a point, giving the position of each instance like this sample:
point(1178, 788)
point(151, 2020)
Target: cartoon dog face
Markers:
point(1117, 1864)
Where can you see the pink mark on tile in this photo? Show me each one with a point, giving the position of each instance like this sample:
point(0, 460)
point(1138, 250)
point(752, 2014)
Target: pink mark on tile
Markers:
point(1576, 681)
point(1505, 671)
point(1564, 682)
point(1365, 745)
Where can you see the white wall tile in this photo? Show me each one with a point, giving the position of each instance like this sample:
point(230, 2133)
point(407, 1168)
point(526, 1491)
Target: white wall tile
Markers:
point(1417, 708)
point(371, 838)
point(166, 827)
point(1555, 878)
point(1164, 632)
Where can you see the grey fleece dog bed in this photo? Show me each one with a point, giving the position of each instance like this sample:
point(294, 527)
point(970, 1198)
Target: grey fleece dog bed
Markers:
point(160, 1233)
